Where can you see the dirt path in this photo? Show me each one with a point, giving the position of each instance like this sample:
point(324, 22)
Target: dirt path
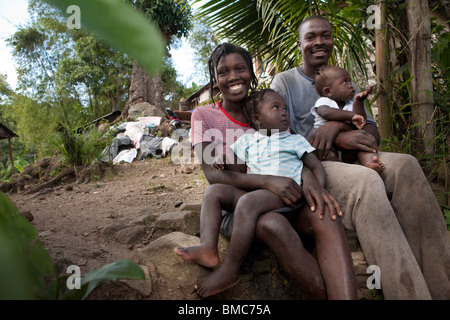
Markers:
point(69, 218)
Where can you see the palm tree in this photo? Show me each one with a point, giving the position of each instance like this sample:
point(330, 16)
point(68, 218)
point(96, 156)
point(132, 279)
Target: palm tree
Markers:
point(269, 28)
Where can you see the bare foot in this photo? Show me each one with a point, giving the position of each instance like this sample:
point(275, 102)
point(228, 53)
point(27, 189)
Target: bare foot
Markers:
point(215, 283)
point(200, 254)
point(376, 165)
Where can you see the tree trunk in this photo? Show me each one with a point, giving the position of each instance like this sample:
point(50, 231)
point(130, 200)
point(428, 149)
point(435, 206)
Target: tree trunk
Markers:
point(420, 67)
point(382, 64)
point(144, 88)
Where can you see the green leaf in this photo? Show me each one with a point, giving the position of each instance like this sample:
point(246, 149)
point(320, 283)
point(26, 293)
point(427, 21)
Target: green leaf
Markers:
point(119, 269)
point(123, 27)
point(27, 271)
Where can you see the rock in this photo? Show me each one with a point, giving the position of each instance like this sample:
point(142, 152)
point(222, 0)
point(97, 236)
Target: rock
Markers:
point(144, 287)
point(184, 221)
point(176, 276)
point(130, 234)
point(145, 219)
point(28, 215)
point(111, 230)
point(196, 207)
point(144, 109)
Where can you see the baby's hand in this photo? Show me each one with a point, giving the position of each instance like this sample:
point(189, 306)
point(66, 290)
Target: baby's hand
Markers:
point(218, 163)
point(364, 94)
point(358, 121)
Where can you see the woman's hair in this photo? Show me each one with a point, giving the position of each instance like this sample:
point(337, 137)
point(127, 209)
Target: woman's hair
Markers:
point(323, 78)
point(223, 50)
point(254, 100)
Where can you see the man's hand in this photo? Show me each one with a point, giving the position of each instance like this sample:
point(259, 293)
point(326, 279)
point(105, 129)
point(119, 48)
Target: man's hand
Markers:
point(356, 140)
point(323, 138)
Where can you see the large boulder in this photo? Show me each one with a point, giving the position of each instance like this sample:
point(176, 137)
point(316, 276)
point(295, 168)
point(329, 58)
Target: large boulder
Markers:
point(145, 109)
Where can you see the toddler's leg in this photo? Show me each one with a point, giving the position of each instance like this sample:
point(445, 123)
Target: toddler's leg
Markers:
point(371, 160)
point(248, 209)
point(216, 198)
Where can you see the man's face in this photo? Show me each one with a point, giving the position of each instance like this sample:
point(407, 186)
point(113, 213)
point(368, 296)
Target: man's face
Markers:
point(315, 42)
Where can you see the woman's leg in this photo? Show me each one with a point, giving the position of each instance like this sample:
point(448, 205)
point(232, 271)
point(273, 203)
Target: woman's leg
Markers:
point(300, 267)
point(216, 198)
point(333, 254)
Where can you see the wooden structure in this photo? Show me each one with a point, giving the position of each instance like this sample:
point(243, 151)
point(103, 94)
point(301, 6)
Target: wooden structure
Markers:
point(5, 133)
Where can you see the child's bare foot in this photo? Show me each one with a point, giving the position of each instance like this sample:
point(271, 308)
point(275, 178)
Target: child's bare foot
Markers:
point(200, 254)
point(376, 165)
point(370, 160)
point(215, 283)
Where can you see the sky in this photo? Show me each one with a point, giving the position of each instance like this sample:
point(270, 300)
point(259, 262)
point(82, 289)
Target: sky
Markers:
point(12, 14)
point(15, 13)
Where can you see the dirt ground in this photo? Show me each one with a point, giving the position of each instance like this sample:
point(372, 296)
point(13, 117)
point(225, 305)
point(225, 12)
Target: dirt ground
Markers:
point(69, 215)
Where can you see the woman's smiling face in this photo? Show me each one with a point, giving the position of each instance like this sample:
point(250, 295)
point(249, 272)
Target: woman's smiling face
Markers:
point(233, 77)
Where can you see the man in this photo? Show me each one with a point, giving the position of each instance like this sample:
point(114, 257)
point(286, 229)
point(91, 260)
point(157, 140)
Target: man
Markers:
point(398, 221)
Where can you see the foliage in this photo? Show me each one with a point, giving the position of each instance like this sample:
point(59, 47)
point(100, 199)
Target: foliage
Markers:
point(203, 41)
point(173, 18)
point(119, 269)
point(123, 27)
point(174, 91)
point(20, 162)
point(447, 216)
point(27, 268)
point(103, 72)
point(34, 122)
point(80, 146)
point(269, 28)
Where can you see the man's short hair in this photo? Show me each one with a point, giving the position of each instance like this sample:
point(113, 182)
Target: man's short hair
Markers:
point(312, 18)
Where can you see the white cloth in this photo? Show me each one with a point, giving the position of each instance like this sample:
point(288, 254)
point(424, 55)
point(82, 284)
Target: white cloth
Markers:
point(323, 101)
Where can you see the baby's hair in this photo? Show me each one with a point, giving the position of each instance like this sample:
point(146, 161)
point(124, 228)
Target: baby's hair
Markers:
point(223, 50)
point(322, 78)
point(254, 100)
